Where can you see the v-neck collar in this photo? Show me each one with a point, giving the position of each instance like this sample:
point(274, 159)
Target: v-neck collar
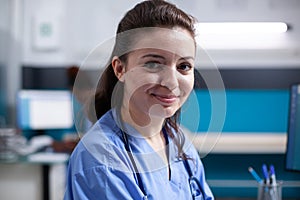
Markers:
point(147, 157)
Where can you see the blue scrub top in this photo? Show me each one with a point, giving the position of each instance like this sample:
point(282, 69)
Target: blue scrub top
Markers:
point(100, 168)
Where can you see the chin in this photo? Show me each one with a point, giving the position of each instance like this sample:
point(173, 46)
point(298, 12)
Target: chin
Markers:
point(163, 113)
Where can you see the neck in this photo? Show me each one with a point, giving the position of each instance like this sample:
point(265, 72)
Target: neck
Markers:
point(151, 131)
point(148, 126)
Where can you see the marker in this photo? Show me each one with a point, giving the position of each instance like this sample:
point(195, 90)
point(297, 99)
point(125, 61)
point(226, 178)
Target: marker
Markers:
point(272, 174)
point(266, 174)
point(254, 174)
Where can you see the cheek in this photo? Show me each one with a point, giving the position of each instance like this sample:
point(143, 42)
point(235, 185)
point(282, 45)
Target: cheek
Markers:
point(186, 85)
point(138, 79)
point(137, 82)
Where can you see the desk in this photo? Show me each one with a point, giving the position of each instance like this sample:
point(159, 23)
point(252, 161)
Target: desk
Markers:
point(47, 161)
point(233, 180)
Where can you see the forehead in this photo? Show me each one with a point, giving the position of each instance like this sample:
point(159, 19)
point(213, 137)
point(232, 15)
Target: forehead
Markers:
point(177, 40)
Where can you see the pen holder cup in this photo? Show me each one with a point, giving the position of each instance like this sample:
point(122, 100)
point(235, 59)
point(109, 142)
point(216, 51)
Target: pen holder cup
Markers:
point(270, 191)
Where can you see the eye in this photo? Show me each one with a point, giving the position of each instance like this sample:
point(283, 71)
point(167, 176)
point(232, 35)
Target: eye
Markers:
point(184, 67)
point(152, 65)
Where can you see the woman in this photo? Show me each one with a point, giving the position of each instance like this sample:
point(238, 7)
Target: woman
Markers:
point(136, 150)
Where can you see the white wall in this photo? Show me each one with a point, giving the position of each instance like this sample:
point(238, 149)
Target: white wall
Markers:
point(85, 25)
point(81, 25)
point(259, 51)
point(34, 10)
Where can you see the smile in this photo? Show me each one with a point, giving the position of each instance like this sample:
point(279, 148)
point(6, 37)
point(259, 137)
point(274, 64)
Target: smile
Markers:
point(166, 99)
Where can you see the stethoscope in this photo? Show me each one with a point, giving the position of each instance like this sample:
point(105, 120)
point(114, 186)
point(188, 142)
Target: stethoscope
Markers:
point(193, 181)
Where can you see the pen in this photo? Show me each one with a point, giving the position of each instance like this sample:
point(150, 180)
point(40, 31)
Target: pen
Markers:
point(254, 174)
point(273, 182)
point(266, 174)
point(272, 174)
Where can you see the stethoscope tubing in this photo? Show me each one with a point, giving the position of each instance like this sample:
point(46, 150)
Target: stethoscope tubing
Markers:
point(137, 173)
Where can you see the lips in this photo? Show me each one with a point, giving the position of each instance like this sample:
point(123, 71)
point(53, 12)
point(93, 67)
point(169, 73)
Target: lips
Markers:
point(165, 99)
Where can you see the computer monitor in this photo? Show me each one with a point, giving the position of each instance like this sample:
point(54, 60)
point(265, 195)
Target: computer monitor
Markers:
point(44, 109)
point(45, 78)
point(293, 135)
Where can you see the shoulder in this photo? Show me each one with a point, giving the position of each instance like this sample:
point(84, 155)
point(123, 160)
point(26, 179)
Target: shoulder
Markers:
point(100, 146)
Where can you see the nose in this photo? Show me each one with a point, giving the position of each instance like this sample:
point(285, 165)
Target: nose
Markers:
point(169, 79)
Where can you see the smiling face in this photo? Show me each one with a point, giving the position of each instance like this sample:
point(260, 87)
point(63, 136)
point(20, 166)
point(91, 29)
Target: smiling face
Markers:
point(158, 75)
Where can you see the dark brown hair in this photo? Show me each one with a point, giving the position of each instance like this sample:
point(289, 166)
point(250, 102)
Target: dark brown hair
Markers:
point(151, 13)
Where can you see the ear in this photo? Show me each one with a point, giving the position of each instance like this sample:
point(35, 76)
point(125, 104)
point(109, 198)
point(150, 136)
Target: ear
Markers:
point(118, 68)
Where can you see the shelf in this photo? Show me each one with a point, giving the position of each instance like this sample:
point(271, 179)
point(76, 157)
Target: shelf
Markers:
point(274, 143)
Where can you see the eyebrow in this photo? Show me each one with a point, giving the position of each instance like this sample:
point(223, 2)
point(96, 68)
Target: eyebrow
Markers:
point(153, 55)
point(162, 57)
point(187, 58)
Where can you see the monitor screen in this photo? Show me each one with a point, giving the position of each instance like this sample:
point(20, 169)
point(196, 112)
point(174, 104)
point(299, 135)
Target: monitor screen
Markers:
point(293, 142)
point(44, 109)
point(45, 78)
